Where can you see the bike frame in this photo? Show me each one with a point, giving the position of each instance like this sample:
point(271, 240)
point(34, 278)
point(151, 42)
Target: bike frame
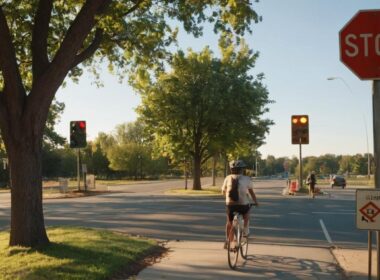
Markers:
point(237, 228)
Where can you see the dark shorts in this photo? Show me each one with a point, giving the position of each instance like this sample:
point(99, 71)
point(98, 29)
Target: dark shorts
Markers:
point(230, 209)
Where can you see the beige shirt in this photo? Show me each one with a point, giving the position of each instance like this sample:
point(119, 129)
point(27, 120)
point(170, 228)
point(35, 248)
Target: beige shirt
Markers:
point(245, 183)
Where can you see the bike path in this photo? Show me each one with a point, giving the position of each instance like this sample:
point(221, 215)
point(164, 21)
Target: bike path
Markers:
point(208, 260)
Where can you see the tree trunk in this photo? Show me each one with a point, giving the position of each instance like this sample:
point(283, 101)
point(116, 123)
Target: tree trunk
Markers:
point(225, 166)
point(214, 170)
point(197, 173)
point(27, 220)
point(23, 112)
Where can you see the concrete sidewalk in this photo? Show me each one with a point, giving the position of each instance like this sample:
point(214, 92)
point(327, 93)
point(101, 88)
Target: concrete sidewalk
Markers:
point(207, 260)
point(355, 262)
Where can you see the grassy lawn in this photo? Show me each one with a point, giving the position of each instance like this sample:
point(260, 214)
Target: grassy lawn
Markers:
point(352, 182)
point(51, 187)
point(76, 253)
point(206, 191)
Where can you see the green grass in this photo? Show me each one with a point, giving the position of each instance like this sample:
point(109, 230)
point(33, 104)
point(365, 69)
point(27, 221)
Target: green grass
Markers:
point(117, 182)
point(206, 191)
point(352, 182)
point(74, 253)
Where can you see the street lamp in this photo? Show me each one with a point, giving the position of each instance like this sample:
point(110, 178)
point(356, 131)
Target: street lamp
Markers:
point(365, 124)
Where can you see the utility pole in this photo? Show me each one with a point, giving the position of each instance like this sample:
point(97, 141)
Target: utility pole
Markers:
point(300, 176)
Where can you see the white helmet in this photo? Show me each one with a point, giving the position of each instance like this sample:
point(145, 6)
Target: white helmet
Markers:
point(236, 164)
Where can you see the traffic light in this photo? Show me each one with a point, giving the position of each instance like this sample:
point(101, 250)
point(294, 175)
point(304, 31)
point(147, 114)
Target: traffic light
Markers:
point(78, 134)
point(300, 129)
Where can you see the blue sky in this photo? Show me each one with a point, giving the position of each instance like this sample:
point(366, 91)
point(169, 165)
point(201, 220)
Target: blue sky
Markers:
point(299, 49)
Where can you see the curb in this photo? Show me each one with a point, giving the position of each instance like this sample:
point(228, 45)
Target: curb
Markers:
point(338, 264)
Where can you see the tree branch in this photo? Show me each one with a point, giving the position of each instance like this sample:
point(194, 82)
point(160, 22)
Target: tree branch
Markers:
point(134, 7)
point(205, 159)
point(43, 93)
point(90, 50)
point(14, 92)
point(77, 33)
point(40, 35)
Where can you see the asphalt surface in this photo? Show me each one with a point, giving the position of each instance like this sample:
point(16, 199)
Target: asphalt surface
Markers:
point(325, 221)
point(143, 209)
point(207, 260)
point(301, 230)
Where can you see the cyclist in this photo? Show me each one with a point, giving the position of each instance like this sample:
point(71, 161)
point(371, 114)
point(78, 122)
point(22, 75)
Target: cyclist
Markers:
point(311, 181)
point(241, 205)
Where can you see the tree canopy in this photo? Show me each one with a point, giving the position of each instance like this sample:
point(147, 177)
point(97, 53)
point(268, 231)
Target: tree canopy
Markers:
point(135, 33)
point(204, 105)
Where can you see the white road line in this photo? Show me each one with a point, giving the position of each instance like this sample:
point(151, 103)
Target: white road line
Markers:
point(327, 235)
point(335, 213)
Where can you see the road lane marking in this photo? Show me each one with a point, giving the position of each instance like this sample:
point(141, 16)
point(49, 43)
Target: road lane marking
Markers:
point(327, 235)
point(335, 213)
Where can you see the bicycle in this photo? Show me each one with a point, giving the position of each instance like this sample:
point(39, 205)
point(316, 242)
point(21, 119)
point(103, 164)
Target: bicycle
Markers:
point(239, 242)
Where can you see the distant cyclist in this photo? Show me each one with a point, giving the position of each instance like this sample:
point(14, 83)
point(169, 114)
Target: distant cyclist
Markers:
point(311, 181)
point(236, 188)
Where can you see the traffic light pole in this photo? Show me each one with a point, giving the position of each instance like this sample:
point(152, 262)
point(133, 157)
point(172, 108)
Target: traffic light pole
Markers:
point(78, 169)
point(300, 135)
point(300, 176)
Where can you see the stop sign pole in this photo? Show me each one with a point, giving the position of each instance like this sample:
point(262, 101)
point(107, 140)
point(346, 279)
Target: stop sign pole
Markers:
point(376, 149)
point(360, 52)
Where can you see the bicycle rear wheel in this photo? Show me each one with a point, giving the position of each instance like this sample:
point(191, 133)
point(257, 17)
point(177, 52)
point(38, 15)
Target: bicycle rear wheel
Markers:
point(244, 247)
point(233, 249)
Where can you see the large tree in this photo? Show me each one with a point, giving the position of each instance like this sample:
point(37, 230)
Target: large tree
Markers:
point(43, 41)
point(203, 104)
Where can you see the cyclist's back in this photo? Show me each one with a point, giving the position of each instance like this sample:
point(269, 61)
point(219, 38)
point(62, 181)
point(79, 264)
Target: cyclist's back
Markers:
point(244, 184)
point(237, 202)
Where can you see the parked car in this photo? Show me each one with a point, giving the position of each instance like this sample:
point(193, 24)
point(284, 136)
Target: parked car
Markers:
point(338, 181)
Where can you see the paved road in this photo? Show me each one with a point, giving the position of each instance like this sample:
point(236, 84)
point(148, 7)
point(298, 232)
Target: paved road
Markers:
point(143, 209)
point(282, 226)
point(325, 221)
point(130, 208)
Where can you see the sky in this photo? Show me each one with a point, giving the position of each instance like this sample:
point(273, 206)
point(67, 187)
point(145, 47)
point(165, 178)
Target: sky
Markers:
point(298, 45)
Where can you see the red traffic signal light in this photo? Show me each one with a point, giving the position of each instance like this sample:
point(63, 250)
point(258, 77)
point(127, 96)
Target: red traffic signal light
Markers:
point(300, 129)
point(78, 134)
point(82, 125)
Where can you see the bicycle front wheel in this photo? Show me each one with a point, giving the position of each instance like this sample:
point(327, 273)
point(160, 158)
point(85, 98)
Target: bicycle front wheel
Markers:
point(244, 247)
point(233, 249)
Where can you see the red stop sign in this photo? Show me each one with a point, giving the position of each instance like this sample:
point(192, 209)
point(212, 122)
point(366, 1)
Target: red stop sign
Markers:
point(360, 44)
